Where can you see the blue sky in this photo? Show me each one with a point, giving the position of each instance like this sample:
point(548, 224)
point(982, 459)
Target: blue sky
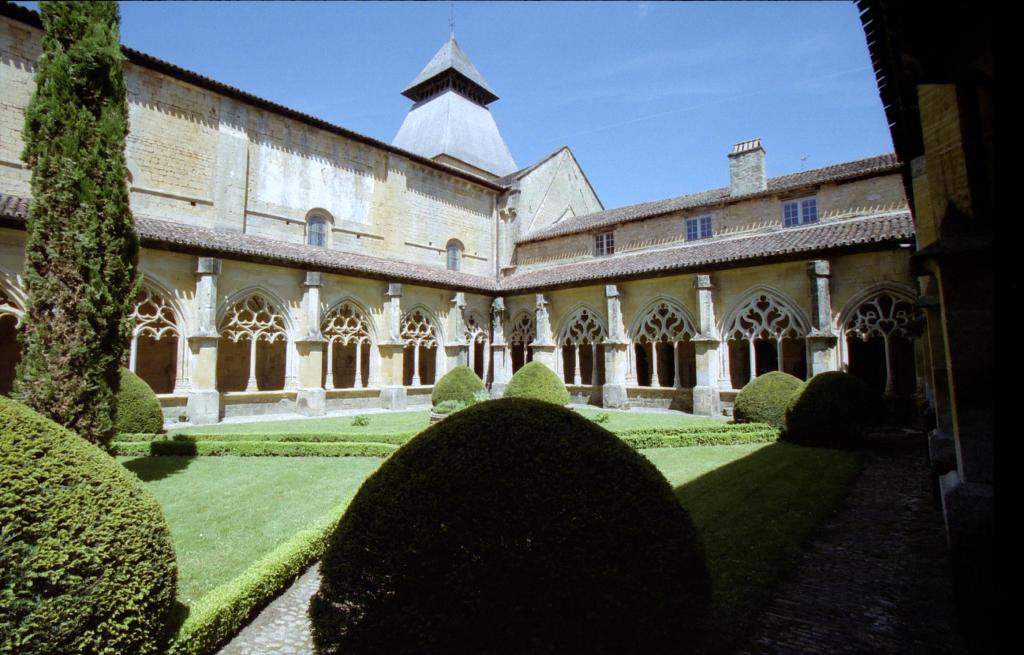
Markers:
point(649, 96)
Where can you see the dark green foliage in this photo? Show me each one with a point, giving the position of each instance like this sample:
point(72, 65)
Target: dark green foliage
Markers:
point(832, 410)
point(700, 435)
point(497, 531)
point(537, 381)
point(765, 398)
point(86, 562)
point(138, 409)
point(259, 448)
point(81, 250)
point(460, 384)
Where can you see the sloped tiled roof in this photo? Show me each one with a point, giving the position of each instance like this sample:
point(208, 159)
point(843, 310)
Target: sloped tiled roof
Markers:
point(767, 245)
point(774, 244)
point(451, 57)
point(836, 173)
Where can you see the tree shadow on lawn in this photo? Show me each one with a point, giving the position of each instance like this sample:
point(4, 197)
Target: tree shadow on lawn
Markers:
point(754, 515)
point(150, 468)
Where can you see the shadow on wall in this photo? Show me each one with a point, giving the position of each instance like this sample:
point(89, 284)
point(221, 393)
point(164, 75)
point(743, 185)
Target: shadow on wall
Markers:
point(149, 469)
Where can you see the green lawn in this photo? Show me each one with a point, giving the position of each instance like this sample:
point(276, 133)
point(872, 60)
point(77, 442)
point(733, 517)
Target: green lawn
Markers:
point(226, 512)
point(753, 505)
point(379, 423)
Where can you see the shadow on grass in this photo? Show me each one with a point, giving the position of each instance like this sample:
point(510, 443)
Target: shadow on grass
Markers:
point(157, 468)
point(754, 515)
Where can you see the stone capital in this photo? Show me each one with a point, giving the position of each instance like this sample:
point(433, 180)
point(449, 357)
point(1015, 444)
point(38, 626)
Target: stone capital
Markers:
point(313, 279)
point(394, 290)
point(208, 266)
point(819, 268)
point(702, 281)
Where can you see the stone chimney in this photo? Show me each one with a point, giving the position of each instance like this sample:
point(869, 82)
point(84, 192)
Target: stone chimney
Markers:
point(746, 168)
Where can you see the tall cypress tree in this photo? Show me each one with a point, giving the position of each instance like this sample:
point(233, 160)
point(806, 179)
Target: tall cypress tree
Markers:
point(82, 249)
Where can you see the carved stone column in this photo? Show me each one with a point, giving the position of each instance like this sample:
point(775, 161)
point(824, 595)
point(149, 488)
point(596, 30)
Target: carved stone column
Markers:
point(391, 346)
point(544, 343)
point(616, 347)
point(456, 350)
point(311, 399)
point(500, 356)
point(203, 404)
point(707, 399)
point(941, 442)
point(821, 340)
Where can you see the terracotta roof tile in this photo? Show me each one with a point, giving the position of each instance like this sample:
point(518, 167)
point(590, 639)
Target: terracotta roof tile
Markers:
point(739, 250)
point(838, 172)
point(714, 253)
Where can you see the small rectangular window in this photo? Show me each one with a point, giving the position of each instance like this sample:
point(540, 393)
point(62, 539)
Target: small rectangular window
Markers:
point(699, 228)
point(800, 212)
point(604, 244)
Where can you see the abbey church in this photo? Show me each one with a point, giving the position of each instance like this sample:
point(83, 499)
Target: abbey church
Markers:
point(293, 266)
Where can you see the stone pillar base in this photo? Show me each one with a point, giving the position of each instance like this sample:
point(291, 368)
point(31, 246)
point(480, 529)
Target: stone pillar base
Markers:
point(498, 389)
point(545, 354)
point(393, 397)
point(613, 396)
point(311, 402)
point(203, 406)
point(707, 401)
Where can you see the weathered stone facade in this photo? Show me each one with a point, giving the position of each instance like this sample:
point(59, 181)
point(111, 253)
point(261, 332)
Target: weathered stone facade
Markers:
point(241, 317)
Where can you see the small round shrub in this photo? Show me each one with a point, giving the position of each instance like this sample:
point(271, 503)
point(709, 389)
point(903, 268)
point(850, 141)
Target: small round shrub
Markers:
point(537, 381)
point(765, 398)
point(86, 562)
point(460, 384)
point(832, 410)
point(497, 531)
point(138, 409)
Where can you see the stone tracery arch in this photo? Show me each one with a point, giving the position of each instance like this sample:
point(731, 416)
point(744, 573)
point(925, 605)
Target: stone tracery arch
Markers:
point(346, 326)
point(523, 333)
point(251, 319)
point(477, 331)
point(884, 313)
point(773, 329)
point(580, 329)
point(156, 352)
point(11, 312)
point(422, 338)
point(663, 325)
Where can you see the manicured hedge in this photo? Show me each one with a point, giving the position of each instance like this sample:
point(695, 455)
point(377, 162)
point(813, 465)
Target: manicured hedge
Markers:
point(537, 381)
point(86, 561)
point(395, 438)
point(252, 448)
point(765, 398)
point(497, 531)
point(832, 410)
point(701, 435)
point(461, 384)
point(220, 614)
point(138, 409)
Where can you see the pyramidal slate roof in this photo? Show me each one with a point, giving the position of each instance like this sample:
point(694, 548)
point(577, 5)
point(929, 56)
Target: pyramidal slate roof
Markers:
point(450, 57)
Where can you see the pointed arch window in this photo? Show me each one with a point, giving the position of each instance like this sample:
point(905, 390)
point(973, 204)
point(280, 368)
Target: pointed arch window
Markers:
point(524, 332)
point(153, 353)
point(773, 333)
point(347, 331)
point(882, 327)
point(663, 348)
point(246, 324)
point(421, 339)
point(478, 336)
point(582, 346)
point(10, 350)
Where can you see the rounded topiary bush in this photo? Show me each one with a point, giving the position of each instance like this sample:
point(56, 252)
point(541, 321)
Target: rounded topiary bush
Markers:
point(86, 562)
point(537, 381)
point(832, 410)
point(460, 384)
point(765, 398)
point(138, 409)
point(498, 531)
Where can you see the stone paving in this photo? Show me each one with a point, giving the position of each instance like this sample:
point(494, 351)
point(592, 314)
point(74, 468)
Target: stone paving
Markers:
point(876, 580)
point(282, 628)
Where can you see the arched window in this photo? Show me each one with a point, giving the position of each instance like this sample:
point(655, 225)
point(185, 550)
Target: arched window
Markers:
point(153, 354)
point(524, 332)
point(245, 324)
point(347, 332)
point(10, 351)
point(454, 255)
point(316, 230)
point(765, 334)
point(582, 346)
point(662, 347)
point(879, 340)
point(421, 341)
point(479, 339)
